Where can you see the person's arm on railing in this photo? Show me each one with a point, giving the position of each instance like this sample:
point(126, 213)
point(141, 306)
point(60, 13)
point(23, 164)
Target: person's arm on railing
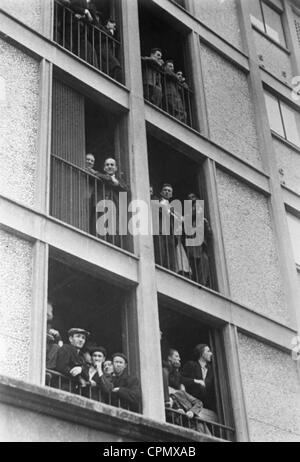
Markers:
point(131, 393)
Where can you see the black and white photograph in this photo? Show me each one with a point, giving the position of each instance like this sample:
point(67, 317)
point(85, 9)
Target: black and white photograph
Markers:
point(149, 224)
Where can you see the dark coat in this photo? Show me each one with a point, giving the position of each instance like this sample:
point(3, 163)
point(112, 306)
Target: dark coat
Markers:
point(192, 370)
point(129, 394)
point(79, 7)
point(67, 358)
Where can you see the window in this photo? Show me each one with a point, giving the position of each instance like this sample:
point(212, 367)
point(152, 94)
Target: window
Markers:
point(165, 62)
point(283, 120)
point(101, 311)
point(268, 20)
point(185, 177)
point(297, 26)
point(92, 37)
point(181, 333)
point(80, 146)
point(294, 227)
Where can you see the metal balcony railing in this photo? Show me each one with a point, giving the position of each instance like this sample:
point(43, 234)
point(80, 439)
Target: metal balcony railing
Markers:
point(200, 425)
point(75, 194)
point(90, 42)
point(61, 382)
point(193, 263)
point(165, 91)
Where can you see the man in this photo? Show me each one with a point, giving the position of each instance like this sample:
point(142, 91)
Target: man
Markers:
point(173, 96)
point(169, 250)
point(113, 186)
point(125, 389)
point(98, 356)
point(54, 341)
point(152, 76)
point(109, 47)
point(89, 186)
point(78, 37)
point(70, 359)
point(109, 177)
point(84, 10)
point(90, 163)
point(182, 401)
point(198, 376)
point(198, 255)
point(108, 369)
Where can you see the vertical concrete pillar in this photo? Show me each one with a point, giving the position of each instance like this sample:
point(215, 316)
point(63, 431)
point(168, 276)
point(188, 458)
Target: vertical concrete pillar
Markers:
point(235, 382)
point(146, 294)
point(37, 357)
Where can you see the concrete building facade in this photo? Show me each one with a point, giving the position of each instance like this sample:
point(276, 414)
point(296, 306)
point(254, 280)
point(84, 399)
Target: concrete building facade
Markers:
point(242, 137)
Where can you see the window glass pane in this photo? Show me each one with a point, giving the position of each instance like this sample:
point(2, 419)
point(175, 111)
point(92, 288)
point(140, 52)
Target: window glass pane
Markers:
point(294, 227)
point(273, 24)
point(291, 120)
point(274, 114)
point(256, 14)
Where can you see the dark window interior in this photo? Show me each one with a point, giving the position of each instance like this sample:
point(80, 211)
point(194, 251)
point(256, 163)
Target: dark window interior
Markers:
point(100, 133)
point(157, 32)
point(181, 333)
point(169, 166)
point(81, 300)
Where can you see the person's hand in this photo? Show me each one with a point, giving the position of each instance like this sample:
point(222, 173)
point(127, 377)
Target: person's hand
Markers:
point(115, 390)
point(200, 382)
point(99, 367)
point(76, 371)
point(93, 383)
point(88, 15)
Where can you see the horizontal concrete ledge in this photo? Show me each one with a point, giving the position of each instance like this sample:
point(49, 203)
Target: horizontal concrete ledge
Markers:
point(197, 147)
point(119, 265)
point(179, 293)
point(207, 35)
point(15, 32)
point(87, 413)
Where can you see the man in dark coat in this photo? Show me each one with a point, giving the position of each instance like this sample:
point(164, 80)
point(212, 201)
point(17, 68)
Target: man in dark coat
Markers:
point(110, 63)
point(181, 400)
point(198, 255)
point(70, 360)
point(199, 378)
point(173, 96)
point(152, 76)
point(110, 193)
point(125, 389)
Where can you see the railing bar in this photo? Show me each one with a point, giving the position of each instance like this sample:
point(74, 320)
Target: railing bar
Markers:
point(71, 31)
point(107, 56)
point(64, 28)
point(100, 50)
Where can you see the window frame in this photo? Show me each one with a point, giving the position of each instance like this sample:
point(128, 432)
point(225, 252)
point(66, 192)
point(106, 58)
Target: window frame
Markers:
point(263, 17)
point(216, 333)
point(280, 102)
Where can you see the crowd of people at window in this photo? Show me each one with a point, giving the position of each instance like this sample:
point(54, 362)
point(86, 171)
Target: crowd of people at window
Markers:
point(89, 369)
point(172, 247)
point(171, 250)
point(190, 389)
point(164, 87)
point(82, 28)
